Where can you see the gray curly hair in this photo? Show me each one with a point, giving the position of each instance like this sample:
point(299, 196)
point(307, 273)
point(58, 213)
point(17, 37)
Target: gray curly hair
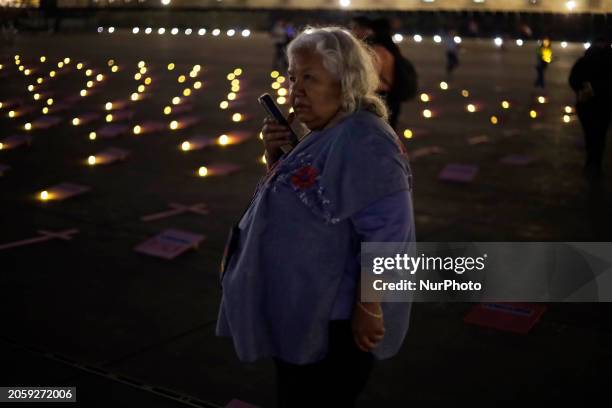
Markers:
point(347, 59)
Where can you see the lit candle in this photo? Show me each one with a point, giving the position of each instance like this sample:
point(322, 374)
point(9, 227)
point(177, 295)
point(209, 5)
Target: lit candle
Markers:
point(223, 140)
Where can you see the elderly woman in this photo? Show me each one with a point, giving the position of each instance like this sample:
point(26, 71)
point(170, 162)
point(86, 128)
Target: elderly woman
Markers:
point(291, 285)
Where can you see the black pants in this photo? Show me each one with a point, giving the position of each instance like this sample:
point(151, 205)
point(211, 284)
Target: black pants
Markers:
point(452, 62)
point(336, 381)
point(540, 71)
point(280, 58)
point(595, 120)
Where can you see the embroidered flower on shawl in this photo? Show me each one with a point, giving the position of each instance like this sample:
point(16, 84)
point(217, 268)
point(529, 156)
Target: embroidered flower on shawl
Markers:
point(304, 177)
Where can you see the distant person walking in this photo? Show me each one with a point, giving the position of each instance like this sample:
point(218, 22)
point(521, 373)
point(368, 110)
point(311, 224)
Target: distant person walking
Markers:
point(8, 31)
point(543, 59)
point(452, 53)
point(280, 39)
point(289, 32)
point(8, 34)
point(591, 79)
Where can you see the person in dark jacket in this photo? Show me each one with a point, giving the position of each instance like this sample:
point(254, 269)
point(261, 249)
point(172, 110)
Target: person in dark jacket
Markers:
point(377, 34)
point(591, 79)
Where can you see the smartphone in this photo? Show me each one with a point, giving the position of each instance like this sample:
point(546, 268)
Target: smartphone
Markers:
point(275, 113)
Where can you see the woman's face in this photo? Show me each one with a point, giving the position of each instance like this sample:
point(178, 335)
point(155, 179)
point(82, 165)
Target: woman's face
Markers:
point(316, 96)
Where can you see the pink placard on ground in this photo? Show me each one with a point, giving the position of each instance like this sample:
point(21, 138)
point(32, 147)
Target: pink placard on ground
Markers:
point(59, 107)
point(238, 136)
point(182, 108)
point(236, 403)
point(66, 190)
point(75, 98)
point(517, 159)
point(11, 103)
point(24, 110)
point(14, 141)
point(170, 243)
point(544, 126)
point(513, 317)
point(118, 105)
point(45, 122)
point(424, 151)
point(122, 115)
point(240, 101)
point(88, 117)
point(460, 173)
point(4, 168)
point(475, 140)
point(187, 121)
point(222, 169)
point(511, 132)
point(151, 126)
point(110, 131)
point(111, 155)
point(200, 142)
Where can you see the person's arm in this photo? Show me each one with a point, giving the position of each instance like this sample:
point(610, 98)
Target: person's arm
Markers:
point(383, 64)
point(387, 220)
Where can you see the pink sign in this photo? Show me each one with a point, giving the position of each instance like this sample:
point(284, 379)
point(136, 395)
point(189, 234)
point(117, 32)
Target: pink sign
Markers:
point(14, 141)
point(111, 155)
point(66, 190)
point(236, 403)
point(513, 317)
point(85, 118)
point(461, 173)
point(478, 140)
point(110, 131)
point(45, 122)
point(170, 243)
point(424, 151)
point(518, 159)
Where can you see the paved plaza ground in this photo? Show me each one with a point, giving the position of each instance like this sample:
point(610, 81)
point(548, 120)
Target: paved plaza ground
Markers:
point(132, 330)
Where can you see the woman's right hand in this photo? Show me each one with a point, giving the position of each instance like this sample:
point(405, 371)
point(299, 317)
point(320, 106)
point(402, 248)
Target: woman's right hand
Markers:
point(275, 135)
point(368, 325)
